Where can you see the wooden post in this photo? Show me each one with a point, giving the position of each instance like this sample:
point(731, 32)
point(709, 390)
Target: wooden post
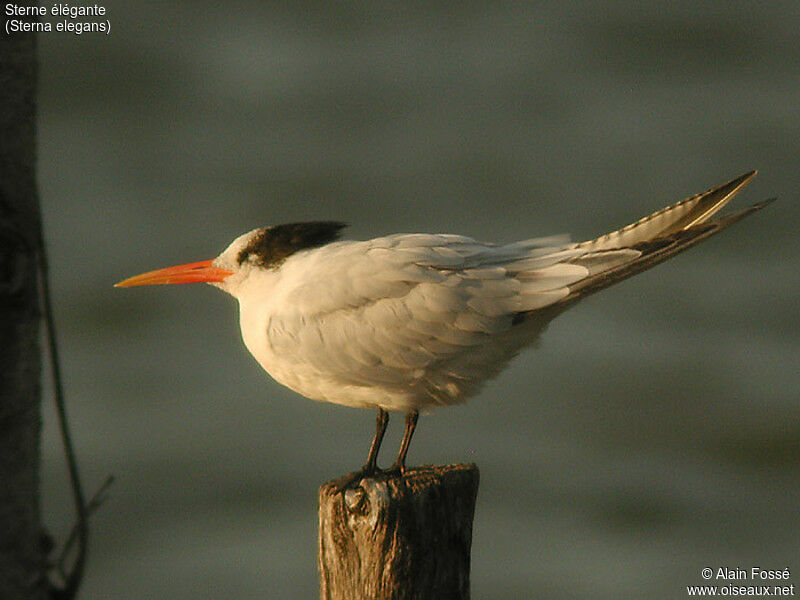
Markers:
point(397, 537)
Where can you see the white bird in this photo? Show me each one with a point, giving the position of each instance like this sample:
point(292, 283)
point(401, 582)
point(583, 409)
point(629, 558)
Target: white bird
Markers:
point(411, 321)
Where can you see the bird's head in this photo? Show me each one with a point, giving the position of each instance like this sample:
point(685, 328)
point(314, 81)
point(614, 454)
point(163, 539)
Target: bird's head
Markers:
point(260, 251)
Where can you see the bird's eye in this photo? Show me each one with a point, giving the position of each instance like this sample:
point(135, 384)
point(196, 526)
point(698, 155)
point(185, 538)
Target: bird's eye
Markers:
point(243, 257)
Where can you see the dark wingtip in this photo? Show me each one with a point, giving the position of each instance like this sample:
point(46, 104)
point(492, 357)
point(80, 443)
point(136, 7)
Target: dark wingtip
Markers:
point(729, 219)
point(763, 203)
point(746, 177)
point(658, 250)
point(733, 186)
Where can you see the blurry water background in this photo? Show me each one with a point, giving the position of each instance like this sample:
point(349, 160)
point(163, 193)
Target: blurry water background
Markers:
point(655, 432)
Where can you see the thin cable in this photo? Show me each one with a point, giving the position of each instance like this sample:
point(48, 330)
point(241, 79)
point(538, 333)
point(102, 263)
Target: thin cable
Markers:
point(74, 578)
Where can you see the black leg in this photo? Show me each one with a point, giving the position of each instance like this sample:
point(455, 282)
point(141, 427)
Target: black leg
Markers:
point(371, 467)
point(411, 424)
point(372, 458)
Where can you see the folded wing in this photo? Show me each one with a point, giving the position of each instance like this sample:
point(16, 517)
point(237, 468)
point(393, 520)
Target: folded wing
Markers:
point(426, 319)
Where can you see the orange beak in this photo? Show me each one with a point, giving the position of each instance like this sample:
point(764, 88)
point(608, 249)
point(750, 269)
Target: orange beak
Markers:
point(196, 272)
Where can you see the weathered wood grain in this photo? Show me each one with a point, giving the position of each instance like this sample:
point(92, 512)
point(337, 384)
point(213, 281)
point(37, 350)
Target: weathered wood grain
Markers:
point(397, 537)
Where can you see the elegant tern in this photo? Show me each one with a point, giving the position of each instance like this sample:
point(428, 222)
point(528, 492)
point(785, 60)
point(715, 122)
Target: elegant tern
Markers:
point(412, 321)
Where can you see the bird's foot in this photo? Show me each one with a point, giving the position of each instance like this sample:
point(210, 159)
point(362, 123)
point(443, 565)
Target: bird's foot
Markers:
point(352, 480)
point(396, 470)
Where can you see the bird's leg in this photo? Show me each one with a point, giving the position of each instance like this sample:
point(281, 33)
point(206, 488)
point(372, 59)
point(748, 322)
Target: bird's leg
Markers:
point(372, 458)
point(411, 424)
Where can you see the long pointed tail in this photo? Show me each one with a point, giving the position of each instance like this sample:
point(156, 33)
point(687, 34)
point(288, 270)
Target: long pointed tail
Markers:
point(655, 238)
point(682, 215)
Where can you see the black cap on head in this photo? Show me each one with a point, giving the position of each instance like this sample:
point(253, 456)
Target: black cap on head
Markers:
point(271, 246)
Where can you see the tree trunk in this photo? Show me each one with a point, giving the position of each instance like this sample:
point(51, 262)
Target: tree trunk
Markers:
point(21, 553)
point(398, 538)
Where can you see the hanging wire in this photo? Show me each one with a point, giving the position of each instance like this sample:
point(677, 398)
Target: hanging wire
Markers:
point(79, 535)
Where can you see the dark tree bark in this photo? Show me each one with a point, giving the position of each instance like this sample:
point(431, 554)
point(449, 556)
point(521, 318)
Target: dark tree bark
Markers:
point(398, 538)
point(21, 552)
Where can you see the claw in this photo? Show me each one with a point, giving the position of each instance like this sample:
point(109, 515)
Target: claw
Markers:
point(351, 480)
